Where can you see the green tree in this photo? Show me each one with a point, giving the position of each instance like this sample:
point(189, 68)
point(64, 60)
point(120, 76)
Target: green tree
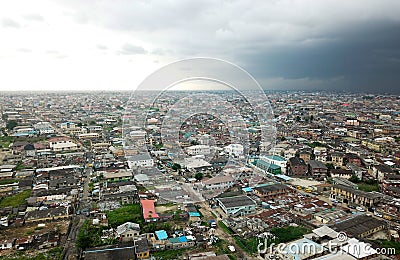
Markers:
point(354, 179)
point(176, 166)
point(198, 176)
point(11, 124)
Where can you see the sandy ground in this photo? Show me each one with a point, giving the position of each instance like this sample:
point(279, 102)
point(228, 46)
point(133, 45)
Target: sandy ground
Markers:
point(18, 232)
point(162, 209)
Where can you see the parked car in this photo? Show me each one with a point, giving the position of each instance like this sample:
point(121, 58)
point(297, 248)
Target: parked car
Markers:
point(360, 209)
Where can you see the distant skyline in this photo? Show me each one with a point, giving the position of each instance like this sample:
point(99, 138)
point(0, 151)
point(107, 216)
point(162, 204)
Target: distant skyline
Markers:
point(71, 45)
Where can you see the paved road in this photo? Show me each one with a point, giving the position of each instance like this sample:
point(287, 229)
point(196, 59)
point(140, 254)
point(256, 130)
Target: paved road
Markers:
point(70, 251)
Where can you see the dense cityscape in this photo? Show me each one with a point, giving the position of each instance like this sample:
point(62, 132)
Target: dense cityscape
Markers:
point(82, 178)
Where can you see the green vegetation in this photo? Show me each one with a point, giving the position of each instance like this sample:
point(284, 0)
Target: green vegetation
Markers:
point(158, 146)
point(11, 124)
point(198, 176)
point(91, 186)
point(225, 228)
point(170, 254)
point(167, 205)
point(132, 213)
point(21, 166)
point(330, 166)
point(176, 166)
point(15, 200)
point(368, 185)
point(316, 144)
point(90, 236)
point(5, 141)
point(151, 227)
point(286, 234)
point(221, 247)
point(250, 245)
point(384, 243)
point(9, 181)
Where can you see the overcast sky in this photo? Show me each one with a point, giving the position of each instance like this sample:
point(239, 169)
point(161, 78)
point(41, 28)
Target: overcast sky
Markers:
point(109, 45)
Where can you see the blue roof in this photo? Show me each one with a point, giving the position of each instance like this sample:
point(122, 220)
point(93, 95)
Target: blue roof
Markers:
point(161, 234)
point(174, 240)
point(182, 239)
point(247, 189)
point(194, 214)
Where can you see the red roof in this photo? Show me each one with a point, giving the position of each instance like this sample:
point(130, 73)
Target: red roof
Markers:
point(148, 209)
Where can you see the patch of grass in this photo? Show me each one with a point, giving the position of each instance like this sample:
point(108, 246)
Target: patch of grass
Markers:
point(15, 200)
point(286, 234)
point(225, 228)
point(131, 213)
point(168, 205)
point(250, 245)
point(368, 187)
point(9, 181)
point(170, 254)
point(90, 236)
point(5, 141)
point(384, 243)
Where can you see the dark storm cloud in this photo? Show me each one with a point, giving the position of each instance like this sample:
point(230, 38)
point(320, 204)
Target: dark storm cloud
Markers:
point(365, 58)
point(350, 45)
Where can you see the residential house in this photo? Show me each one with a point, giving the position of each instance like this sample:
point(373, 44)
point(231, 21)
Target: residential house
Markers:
point(381, 170)
point(118, 175)
point(128, 231)
point(347, 194)
point(297, 166)
point(140, 160)
point(317, 169)
point(341, 173)
point(337, 159)
point(360, 226)
point(148, 210)
point(276, 160)
point(272, 191)
point(7, 244)
point(142, 249)
point(237, 205)
point(46, 215)
point(58, 144)
point(218, 182)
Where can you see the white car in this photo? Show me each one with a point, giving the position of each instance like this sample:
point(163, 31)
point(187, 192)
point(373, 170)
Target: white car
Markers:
point(377, 214)
point(360, 209)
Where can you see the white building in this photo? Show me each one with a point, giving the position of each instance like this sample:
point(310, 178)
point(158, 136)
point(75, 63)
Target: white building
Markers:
point(62, 144)
point(140, 160)
point(7, 244)
point(128, 231)
point(44, 128)
point(235, 150)
point(277, 160)
point(218, 182)
point(320, 153)
point(198, 150)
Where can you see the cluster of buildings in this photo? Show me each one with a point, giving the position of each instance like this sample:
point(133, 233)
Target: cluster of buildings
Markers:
point(330, 164)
